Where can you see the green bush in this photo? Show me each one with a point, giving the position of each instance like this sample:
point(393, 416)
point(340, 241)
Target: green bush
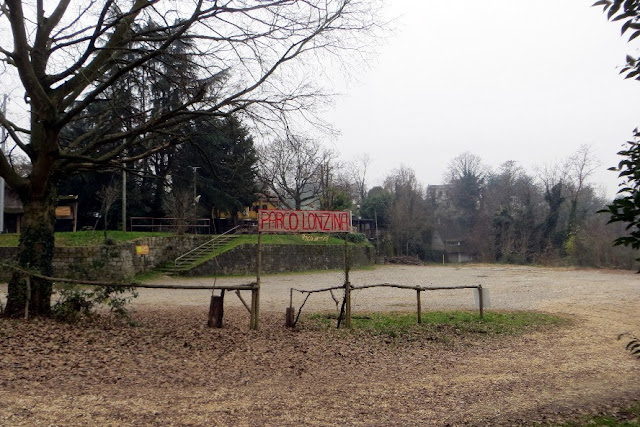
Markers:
point(76, 302)
point(356, 237)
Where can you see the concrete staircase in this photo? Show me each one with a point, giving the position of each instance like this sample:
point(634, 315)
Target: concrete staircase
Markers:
point(189, 260)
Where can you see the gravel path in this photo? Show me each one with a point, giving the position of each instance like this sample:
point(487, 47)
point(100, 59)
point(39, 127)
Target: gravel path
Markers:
point(568, 291)
point(538, 377)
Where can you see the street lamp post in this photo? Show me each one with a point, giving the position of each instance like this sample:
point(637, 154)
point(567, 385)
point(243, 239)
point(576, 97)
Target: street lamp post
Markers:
point(2, 143)
point(124, 200)
point(195, 198)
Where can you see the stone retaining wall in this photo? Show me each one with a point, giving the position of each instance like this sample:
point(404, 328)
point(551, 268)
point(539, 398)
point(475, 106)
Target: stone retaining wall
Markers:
point(120, 262)
point(6, 254)
point(113, 262)
point(285, 258)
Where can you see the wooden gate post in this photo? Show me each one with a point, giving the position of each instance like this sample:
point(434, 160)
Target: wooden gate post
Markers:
point(216, 310)
point(290, 317)
point(255, 292)
point(291, 312)
point(28, 298)
point(347, 285)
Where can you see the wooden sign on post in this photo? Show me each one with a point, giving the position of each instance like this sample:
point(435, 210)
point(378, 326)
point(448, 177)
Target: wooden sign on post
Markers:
point(297, 221)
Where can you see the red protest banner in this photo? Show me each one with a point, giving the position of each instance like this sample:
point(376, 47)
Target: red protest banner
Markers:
point(292, 221)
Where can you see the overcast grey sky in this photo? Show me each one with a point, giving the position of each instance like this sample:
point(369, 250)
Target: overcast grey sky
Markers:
point(524, 80)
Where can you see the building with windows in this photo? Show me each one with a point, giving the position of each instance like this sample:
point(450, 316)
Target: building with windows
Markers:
point(448, 237)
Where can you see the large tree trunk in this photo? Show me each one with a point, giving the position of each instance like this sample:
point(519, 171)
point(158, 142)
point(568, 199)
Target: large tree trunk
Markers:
point(35, 254)
point(37, 241)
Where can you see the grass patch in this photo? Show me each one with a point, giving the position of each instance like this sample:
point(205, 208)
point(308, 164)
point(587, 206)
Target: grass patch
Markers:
point(147, 275)
point(338, 271)
point(446, 322)
point(301, 239)
point(274, 239)
point(96, 238)
point(626, 417)
point(9, 240)
point(294, 239)
point(85, 238)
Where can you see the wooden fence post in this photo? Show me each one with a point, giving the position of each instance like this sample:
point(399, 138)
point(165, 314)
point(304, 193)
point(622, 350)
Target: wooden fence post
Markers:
point(28, 298)
point(419, 307)
point(216, 311)
point(291, 312)
point(255, 292)
point(347, 285)
point(480, 301)
point(290, 317)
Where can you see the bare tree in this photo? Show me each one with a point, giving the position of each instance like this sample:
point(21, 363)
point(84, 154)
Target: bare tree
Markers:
point(292, 168)
point(579, 168)
point(74, 58)
point(466, 175)
point(465, 164)
point(511, 211)
point(407, 212)
point(109, 194)
point(358, 172)
point(554, 179)
point(568, 180)
point(337, 190)
point(181, 206)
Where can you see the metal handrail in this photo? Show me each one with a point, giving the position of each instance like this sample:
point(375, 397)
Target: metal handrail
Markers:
point(175, 262)
point(160, 224)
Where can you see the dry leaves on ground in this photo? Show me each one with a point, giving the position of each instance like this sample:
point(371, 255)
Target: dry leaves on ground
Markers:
point(172, 369)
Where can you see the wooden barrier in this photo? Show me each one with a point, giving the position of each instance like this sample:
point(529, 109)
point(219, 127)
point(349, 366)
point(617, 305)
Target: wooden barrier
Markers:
point(346, 303)
point(216, 308)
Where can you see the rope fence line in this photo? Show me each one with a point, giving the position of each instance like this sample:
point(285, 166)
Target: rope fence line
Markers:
point(215, 307)
point(291, 321)
point(215, 311)
point(26, 273)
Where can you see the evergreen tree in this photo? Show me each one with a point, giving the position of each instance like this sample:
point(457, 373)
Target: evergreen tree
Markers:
point(224, 153)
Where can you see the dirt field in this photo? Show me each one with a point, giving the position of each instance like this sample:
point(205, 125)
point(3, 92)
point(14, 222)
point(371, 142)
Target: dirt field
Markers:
point(173, 370)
